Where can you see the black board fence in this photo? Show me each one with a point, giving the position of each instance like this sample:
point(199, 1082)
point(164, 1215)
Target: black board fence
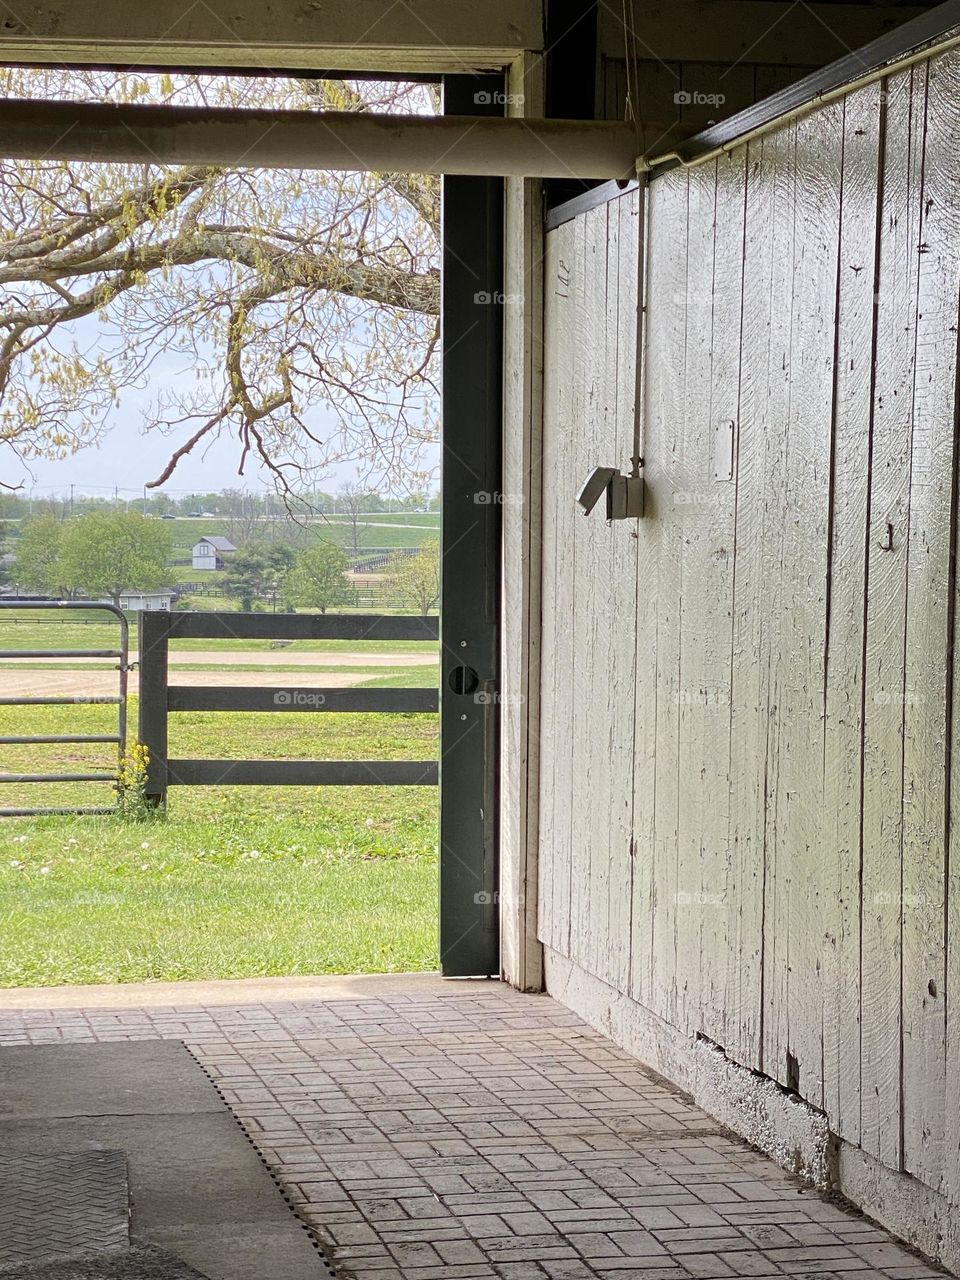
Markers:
point(159, 699)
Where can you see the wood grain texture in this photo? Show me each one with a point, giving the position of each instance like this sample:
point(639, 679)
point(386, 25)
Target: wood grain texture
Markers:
point(774, 599)
point(623, 268)
point(590, 590)
point(796, 892)
point(649, 540)
point(750, 667)
point(588, 616)
point(705, 511)
point(553, 887)
point(666, 373)
point(843, 719)
point(727, 990)
point(522, 520)
point(929, 627)
point(885, 634)
point(792, 894)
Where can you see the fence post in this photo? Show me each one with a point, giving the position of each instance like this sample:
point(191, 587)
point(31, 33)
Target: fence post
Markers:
point(154, 641)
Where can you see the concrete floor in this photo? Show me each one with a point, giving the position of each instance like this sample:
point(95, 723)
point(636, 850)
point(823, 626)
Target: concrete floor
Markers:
point(155, 1158)
point(461, 1131)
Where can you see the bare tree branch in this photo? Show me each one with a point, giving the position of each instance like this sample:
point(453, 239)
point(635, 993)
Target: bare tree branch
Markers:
point(302, 308)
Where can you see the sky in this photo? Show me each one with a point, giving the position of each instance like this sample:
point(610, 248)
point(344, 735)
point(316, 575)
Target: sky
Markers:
point(127, 458)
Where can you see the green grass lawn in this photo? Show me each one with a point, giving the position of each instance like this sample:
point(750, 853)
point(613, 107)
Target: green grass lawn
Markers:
point(37, 630)
point(234, 881)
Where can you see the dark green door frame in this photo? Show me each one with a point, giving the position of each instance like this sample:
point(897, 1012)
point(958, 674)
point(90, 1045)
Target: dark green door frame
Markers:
point(472, 325)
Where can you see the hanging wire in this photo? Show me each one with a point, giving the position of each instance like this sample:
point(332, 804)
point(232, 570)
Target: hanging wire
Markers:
point(632, 108)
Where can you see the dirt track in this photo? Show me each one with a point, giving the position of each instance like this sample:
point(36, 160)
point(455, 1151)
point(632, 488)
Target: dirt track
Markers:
point(300, 658)
point(90, 684)
point(268, 658)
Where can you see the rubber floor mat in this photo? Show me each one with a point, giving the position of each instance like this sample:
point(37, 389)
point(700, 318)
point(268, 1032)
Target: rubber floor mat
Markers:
point(56, 1206)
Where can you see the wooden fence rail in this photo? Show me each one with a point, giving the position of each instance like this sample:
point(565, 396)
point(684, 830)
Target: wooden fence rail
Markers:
point(158, 699)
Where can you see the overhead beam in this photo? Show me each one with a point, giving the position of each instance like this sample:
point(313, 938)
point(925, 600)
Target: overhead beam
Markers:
point(737, 32)
point(358, 141)
point(430, 36)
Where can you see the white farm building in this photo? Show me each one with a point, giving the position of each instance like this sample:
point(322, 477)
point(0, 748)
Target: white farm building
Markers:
point(208, 553)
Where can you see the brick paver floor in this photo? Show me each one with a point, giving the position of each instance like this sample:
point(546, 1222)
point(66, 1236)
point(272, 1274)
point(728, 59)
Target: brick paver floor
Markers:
point(477, 1134)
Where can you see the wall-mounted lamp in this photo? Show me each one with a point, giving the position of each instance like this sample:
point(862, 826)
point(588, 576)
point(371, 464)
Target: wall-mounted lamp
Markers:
point(624, 493)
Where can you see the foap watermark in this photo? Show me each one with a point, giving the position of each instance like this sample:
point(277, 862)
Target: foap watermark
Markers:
point(894, 898)
point(696, 98)
point(694, 499)
point(494, 298)
point(299, 698)
point(497, 98)
point(484, 899)
point(488, 498)
point(702, 698)
point(484, 698)
point(898, 698)
point(697, 898)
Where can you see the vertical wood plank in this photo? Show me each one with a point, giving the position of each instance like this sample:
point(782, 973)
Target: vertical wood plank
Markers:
point(944, 74)
point(759, 587)
point(590, 428)
point(843, 721)
point(886, 608)
point(753, 598)
point(780, 153)
point(558, 339)
point(152, 732)
point(569, 442)
point(619, 650)
point(649, 538)
point(796, 894)
point(522, 517)
point(703, 653)
point(720, 887)
point(667, 370)
point(929, 623)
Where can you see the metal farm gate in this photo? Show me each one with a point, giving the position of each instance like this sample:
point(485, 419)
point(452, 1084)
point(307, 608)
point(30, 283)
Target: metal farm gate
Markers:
point(119, 700)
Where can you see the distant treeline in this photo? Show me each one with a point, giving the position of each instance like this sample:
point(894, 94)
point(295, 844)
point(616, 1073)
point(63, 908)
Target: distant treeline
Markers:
point(229, 503)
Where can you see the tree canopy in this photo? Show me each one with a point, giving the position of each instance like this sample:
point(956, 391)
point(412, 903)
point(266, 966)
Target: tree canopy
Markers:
point(297, 310)
point(257, 570)
point(416, 578)
point(36, 564)
point(103, 553)
point(316, 579)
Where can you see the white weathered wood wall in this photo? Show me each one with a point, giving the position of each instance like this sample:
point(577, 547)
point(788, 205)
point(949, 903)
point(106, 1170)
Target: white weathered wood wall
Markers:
point(747, 708)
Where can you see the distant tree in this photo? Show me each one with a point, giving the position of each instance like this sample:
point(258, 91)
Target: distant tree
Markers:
point(6, 535)
point(416, 578)
point(37, 561)
point(415, 502)
point(352, 503)
point(316, 579)
point(256, 571)
point(109, 552)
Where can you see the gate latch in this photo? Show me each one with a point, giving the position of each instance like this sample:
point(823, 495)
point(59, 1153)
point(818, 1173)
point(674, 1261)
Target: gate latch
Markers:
point(624, 493)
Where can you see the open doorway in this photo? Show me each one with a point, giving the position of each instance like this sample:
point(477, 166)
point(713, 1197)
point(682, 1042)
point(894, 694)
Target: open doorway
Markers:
point(241, 880)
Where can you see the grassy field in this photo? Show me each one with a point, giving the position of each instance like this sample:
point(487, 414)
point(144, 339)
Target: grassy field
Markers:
point(232, 882)
point(22, 629)
point(374, 531)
